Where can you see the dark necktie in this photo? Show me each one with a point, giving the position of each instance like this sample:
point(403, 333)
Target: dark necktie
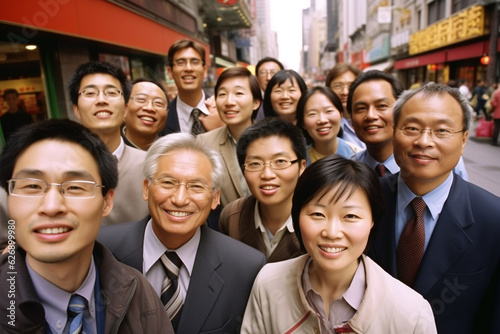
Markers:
point(380, 170)
point(76, 307)
point(197, 127)
point(411, 244)
point(171, 295)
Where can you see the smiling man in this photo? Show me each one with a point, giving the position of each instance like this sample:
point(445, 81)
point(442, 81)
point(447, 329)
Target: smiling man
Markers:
point(188, 112)
point(203, 277)
point(60, 179)
point(99, 92)
point(439, 234)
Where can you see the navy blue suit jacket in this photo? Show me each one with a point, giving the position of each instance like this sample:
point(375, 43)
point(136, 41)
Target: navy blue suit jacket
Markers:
point(221, 281)
point(172, 123)
point(460, 270)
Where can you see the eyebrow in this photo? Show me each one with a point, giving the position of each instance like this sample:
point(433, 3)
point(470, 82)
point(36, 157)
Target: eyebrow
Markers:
point(272, 157)
point(97, 87)
point(81, 174)
point(446, 121)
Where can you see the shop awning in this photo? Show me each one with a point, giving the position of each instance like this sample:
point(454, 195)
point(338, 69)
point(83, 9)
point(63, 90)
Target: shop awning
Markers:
point(381, 66)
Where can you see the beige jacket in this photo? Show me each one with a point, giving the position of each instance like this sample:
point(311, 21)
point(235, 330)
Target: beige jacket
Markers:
point(277, 303)
point(234, 185)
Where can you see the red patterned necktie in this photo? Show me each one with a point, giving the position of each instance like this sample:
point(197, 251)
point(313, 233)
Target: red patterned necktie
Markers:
point(380, 170)
point(411, 244)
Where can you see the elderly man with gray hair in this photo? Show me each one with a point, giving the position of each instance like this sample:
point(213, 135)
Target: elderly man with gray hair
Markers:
point(203, 277)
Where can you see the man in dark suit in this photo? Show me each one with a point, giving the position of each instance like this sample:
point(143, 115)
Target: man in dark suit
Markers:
point(215, 273)
point(188, 112)
point(440, 234)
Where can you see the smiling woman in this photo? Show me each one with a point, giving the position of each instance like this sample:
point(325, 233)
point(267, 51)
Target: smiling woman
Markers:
point(334, 286)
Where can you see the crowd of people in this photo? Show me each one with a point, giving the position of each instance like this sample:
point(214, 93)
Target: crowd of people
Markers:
point(269, 207)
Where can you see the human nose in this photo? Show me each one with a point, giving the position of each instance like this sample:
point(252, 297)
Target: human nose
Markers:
point(148, 105)
point(322, 118)
point(425, 138)
point(267, 172)
point(230, 99)
point(101, 96)
point(180, 196)
point(333, 229)
point(371, 113)
point(53, 201)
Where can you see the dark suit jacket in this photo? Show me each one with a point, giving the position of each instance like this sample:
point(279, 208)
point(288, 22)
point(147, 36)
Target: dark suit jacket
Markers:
point(222, 278)
point(460, 271)
point(172, 123)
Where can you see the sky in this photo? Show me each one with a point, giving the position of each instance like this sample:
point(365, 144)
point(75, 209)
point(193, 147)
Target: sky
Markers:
point(286, 20)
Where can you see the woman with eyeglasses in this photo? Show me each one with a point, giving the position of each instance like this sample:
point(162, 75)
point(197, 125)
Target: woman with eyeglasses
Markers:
point(334, 288)
point(272, 155)
point(339, 79)
point(237, 97)
point(282, 94)
point(319, 116)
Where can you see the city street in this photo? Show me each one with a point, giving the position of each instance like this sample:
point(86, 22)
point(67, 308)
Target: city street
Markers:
point(482, 162)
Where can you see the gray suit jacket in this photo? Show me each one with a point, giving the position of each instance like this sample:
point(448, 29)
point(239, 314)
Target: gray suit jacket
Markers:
point(222, 278)
point(128, 204)
point(232, 187)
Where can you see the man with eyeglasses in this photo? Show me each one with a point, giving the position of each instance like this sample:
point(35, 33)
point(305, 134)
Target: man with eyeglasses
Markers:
point(55, 278)
point(264, 71)
point(272, 155)
point(189, 112)
point(203, 277)
point(440, 234)
point(146, 113)
point(99, 91)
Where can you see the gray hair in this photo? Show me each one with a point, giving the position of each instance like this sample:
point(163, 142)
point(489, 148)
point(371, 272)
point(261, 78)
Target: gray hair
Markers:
point(185, 142)
point(432, 89)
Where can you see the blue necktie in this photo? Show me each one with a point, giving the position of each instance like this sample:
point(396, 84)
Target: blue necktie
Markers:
point(76, 307)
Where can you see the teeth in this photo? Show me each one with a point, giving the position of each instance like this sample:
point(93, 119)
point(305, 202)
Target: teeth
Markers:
point(178, 213)
point(372, 128)
point(54, 230)
point(422, 157)
point(332, 249)
point(269, 187)
point(323, 129)
point(147, 118)
point(231, 112)
point(103, 113)
point(189, 77)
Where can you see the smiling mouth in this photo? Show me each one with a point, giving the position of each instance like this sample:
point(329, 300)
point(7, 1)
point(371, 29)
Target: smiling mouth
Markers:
point(147, 118)
point(178, 213)
point(103, 113)
point(332, 250)
point(269, 187)
point(53, 230)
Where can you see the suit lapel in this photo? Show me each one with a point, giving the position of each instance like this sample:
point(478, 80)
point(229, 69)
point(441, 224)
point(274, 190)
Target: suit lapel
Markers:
point(132, 255)
point(204, 287)
point(229, 156)
point(449, 239)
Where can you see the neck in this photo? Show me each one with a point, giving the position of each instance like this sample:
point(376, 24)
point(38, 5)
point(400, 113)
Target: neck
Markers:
point(67, 275)
point(111, 138)
point(421, 187)
point(331, 284)
point(326, 148)
point(237, 130)
point(191, 98)
point(141, 140)
point(380, 152)
point(274, 216)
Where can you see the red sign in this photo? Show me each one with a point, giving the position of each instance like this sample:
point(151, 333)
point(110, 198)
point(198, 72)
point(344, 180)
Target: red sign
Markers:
point(227, 2)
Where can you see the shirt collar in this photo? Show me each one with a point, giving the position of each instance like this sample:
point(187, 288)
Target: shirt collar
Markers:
point(389, 164)
point(186, 109)
point(434, 199)
point(119, 150)
point(154, 249)
point(55, 300)
point(260, 226)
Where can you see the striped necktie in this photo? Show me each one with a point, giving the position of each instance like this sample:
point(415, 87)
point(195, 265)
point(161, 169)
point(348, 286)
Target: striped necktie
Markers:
point(171, 295)
point(197, 127)
point(77, 305)
point(411, 244)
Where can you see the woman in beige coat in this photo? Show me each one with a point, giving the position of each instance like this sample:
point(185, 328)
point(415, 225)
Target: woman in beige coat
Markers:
point(334, 288)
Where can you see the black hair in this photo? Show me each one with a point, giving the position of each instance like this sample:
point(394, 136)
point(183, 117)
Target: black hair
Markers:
point(153, 81)
point(278, 79)
point(97, 67)
point(269, 127)
point(63, 130)
point(268, 60)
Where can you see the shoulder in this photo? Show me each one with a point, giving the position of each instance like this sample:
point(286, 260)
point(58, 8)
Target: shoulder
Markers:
point(118, 235)
point(213, 135)
point(134, 153)
point(345, 149)
point(280, 273)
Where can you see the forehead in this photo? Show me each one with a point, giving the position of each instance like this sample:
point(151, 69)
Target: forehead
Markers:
point(432, 108)
point(100, 80)
point(235, 81)
point(269, 65)
point(187, 53)
point(147, 88)
point(345, 77)
point(376, 89)
point(270, 145)
point(287, 83)
point(56, 158)
point(185, 164)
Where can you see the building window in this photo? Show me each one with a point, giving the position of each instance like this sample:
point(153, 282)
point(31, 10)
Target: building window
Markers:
point(458, 5)
point(435, 11)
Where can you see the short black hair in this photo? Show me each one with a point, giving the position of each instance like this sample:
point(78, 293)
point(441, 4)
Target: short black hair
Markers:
point(278, 79)
point(332, 171)
point(63, 130)
point(397, 86)
point(268, 60)
point(330, 95)
point(97, 67)
point(153, 81)
point(269, 127)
